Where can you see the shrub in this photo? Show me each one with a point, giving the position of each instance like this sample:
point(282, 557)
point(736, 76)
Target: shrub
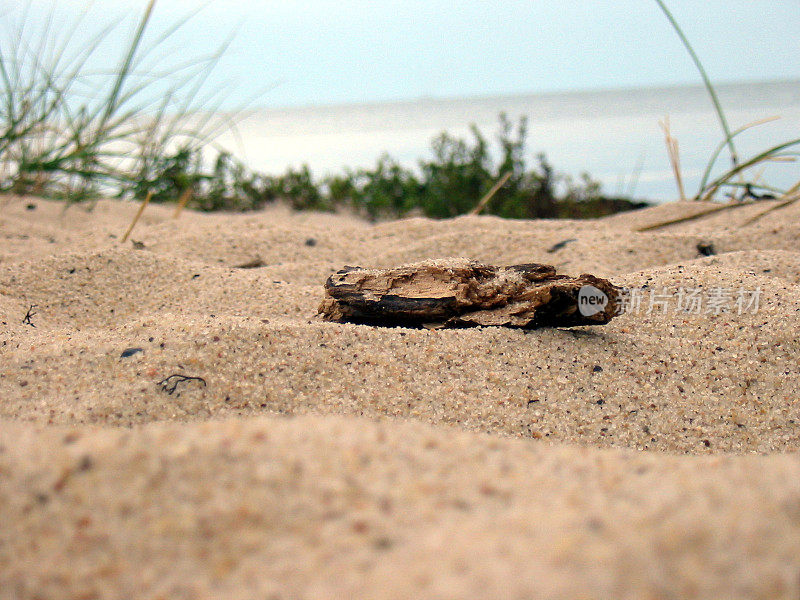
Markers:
point(448, 184)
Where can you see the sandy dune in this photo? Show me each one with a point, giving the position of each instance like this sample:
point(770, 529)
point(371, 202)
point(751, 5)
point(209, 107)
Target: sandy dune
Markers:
point(441, 464)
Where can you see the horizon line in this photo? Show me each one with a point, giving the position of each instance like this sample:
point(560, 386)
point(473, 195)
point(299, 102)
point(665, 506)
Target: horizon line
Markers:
point(521, 94)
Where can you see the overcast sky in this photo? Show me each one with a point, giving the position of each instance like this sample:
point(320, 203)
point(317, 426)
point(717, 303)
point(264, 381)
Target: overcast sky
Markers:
point(335, 51)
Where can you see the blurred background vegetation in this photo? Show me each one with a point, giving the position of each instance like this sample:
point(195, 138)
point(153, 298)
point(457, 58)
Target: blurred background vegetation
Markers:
point(146, 127)
point(450, 183)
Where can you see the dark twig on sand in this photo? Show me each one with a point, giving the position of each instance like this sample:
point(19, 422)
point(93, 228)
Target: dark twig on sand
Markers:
point(170, 384)
point(27, 320)
point(559, 245)
point(256, 263)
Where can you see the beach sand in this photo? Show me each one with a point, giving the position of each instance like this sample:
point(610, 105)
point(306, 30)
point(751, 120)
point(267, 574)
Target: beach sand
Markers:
point(654, 457)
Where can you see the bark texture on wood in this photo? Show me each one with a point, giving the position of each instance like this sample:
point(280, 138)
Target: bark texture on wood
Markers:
point(463, 293)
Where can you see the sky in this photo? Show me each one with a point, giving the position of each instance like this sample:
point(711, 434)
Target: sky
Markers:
point(361, 51)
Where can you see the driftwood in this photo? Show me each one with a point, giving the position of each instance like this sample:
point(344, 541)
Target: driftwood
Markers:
point(463, 293)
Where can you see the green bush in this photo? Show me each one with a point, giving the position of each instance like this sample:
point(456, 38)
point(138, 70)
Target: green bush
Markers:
point(448, 184)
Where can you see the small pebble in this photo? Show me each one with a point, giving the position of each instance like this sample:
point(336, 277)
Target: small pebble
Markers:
point(130, 352)
point(706, 249)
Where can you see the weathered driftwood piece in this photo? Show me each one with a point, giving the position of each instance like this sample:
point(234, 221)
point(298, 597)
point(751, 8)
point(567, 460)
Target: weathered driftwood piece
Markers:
point(463, 293)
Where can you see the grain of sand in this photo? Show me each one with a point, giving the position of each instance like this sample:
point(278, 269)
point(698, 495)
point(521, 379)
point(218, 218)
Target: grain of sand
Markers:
point(654, 457)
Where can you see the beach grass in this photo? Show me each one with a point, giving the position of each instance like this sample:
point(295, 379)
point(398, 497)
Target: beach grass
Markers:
point(68, 130)
point(738, 180)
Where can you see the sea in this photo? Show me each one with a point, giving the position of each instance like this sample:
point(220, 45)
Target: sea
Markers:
point(615, 136)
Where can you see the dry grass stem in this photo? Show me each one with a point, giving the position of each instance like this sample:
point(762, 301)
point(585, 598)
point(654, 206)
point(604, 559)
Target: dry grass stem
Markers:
point(138, 216)
point(674, 157)
point(790, 198)
point(699, 215)
point(186, 195)
point(490, 194)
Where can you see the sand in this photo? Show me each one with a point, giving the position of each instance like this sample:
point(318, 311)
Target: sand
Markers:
point(654, 457)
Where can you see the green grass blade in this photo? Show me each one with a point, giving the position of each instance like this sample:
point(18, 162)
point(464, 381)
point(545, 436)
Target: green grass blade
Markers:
point(774, 152)
point(706, 80)
point(712, 161)
point(125, 68)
